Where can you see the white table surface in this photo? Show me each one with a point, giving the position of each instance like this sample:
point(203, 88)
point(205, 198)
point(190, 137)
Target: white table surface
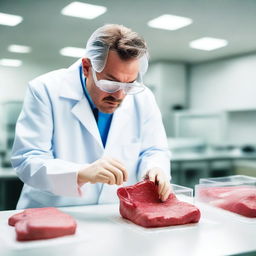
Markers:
point(101, 231)
point(7, 173)
point(212, 155)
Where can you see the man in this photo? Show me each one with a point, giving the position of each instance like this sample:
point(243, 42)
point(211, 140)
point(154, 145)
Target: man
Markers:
point(86, 130)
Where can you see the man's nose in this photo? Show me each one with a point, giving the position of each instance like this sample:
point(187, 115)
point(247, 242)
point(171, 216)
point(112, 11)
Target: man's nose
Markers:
point(119, 94)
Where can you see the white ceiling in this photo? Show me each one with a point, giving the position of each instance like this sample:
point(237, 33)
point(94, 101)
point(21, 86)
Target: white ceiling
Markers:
point(47, 31)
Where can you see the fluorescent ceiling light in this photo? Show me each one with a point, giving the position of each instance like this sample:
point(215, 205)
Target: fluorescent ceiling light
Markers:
point(10, 62)
point(72, 52)
point(208, 43)
point(10, 19)
point(170, 22)
point(83, 10)
point(19, 48)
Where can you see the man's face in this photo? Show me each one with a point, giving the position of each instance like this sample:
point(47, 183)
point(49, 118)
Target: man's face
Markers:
point(115, 70)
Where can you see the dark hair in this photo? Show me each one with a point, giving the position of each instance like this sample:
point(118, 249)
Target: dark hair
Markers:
point(127, 43)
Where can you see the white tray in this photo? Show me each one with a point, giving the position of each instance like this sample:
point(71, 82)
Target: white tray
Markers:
point(203, 222)
point(8, 238)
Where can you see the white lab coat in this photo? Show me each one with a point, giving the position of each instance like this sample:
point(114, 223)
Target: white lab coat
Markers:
point(56, 135)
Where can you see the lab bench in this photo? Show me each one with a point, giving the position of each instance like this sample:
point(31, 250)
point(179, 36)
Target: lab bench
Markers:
point(188, 167)
point(101, 231)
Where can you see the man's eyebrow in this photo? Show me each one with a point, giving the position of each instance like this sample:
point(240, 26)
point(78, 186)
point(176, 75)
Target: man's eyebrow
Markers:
point(109, 76)
point(113, 78)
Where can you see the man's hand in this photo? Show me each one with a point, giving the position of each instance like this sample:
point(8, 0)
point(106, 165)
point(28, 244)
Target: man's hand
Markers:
point(160, 179)
point(105, 170)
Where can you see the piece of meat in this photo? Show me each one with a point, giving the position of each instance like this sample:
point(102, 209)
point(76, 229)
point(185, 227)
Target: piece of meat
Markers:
point(237, 199)
point(140, 204)
point(32, 212)
point(42, 223)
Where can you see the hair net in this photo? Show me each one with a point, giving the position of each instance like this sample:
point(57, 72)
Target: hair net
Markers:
point(97, 51)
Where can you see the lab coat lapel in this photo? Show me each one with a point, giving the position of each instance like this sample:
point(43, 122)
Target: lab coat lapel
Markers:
point(120, 118)
point(84, 114)
point(72, 90)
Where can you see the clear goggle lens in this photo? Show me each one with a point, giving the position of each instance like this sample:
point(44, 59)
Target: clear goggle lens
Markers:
point(113, 86)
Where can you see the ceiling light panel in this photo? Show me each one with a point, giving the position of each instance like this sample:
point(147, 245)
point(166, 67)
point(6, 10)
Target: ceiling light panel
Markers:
point(19, 48)
point(72, 52)
point(170, 22)
point(83, 10)
point(10, 19)
point(10, 62)
point(208, 43)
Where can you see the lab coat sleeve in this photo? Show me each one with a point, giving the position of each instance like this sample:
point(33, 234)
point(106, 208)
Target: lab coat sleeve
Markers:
point(32, 155)
point(154, 148)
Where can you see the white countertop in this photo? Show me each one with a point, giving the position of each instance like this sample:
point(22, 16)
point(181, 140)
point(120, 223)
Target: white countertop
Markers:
point(101, 231)
point(7, 173)
point(208, 155)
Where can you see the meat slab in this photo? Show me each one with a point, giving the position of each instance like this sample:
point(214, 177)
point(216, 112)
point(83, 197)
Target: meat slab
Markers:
point(42, 223)
point(237, 199)
point(140, 204)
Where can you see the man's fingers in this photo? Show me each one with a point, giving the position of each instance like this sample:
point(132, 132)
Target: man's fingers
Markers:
point(166, 192)
point(120, 167)
point(161, 180)
point(161, 183)
point(152, 175)
point(109, 176)
point(103, 178)
point(164, 188)
point(117, 173)
point(103, 170)
point(161, 187)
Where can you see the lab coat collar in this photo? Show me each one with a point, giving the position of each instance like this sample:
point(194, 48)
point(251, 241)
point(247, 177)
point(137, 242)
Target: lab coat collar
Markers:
point(71, 89)
point(71, 85)
point(84, 114)
point(120, 118)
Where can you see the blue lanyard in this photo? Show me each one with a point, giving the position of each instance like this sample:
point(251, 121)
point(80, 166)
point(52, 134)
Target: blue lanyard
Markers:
point(84, 89)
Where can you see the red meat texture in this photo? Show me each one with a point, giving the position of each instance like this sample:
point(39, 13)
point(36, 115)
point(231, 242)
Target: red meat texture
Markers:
point(140, 204)
point(237, 199)
point(42, 223)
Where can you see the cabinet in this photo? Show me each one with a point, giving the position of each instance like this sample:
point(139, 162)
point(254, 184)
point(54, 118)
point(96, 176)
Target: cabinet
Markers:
point(241, 126)
point(223, 137)
point(230, 127)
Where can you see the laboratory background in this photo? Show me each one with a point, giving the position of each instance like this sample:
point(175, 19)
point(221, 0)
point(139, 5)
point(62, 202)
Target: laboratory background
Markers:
point(202, 72)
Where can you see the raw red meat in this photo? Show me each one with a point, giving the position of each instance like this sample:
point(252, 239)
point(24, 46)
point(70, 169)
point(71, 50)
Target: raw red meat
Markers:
point(32, 212)
point(238, 199)
point(42, 223)
point(141, 204)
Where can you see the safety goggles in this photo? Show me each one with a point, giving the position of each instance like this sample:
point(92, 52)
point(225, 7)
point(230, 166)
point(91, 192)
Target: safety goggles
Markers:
point(113, 86)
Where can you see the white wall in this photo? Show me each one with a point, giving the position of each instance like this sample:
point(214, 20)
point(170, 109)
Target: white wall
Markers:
point(13, 81)
point(224, 84)
point(241, 127)
point(168, 82)
point(13, 84)
point(228, 85)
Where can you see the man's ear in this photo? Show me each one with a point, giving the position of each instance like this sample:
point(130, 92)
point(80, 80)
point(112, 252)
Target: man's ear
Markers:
point(86, 65)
